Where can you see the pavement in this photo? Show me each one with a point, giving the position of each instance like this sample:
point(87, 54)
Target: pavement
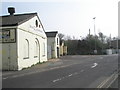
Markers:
point(76, 71)
point(36, 68)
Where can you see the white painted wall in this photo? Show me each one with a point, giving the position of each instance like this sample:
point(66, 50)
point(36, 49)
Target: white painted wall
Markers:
point(57, 45)
point(29, 31)
point(16, 50)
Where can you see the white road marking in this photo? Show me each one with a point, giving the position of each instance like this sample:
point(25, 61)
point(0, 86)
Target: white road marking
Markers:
point(5, 78)
point(95, 64)
point(67, 76)
point(56, 80)
point(70, 75)
point(82, 71)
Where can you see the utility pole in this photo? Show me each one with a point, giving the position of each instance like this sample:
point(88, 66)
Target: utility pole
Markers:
point(110, 42)
point(89, 31)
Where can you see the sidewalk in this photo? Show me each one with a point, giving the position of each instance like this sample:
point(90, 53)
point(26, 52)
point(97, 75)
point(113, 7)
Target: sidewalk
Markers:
point(51, 63)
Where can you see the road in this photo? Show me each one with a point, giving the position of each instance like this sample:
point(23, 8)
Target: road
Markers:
point(78, 71)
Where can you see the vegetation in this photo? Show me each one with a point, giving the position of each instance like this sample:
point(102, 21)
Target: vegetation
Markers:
point(33, 65)
point(87, 45)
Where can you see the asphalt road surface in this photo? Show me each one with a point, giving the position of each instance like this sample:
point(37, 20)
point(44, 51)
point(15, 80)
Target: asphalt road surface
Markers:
point(79, 71)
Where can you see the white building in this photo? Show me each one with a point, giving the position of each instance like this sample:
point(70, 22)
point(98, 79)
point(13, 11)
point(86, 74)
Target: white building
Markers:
point(23, 40)
point(53, 44)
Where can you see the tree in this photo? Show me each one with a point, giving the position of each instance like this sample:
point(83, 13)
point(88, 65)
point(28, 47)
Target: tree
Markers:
point(102, 38)
point(86, 45)
point(61, 36)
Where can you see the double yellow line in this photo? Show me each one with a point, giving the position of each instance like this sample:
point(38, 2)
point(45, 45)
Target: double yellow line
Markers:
point(102, 85)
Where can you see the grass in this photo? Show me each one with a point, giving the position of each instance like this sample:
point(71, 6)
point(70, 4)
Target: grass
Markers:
point(25, 68)
point(33, 65)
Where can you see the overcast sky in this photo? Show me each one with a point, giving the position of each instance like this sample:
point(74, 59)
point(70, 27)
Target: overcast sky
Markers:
point(72, 17)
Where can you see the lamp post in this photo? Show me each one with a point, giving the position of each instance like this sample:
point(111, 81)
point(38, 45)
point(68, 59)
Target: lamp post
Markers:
point(117, 46)
point(95, 51)
point(89, 43)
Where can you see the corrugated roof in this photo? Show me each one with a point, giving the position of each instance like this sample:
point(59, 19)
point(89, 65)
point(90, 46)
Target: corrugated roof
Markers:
point(14, 20)
point(51, 34)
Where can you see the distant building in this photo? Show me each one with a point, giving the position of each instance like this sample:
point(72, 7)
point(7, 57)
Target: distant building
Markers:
point(109, 51)
point(53, 44)
point(63, 48)
point(114, 47)
point(23, 40)
point(115, 44)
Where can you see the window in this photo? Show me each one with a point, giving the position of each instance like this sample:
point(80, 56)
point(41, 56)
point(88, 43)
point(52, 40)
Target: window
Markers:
point(36, 49)
point(36, 23)
point(57, 41)
point(43, 49)
point(39, 26)
point(26, 49)
point(7, 36)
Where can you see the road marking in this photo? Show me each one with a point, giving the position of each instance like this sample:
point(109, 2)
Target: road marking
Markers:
point(82, 71)
point(105, 81)
point(116, 76)
point(5, 78)
point(70, 75)
point(67, 76)
point(56, 80)
point(95, 64)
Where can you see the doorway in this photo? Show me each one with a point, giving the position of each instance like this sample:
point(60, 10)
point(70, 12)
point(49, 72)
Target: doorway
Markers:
point(58, 52)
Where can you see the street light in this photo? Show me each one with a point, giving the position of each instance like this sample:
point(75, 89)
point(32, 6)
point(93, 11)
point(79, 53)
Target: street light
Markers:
point(89, 43)
point(95, 51)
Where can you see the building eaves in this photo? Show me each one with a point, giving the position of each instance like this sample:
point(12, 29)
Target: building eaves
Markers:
point(15, 20)
point(51, 34)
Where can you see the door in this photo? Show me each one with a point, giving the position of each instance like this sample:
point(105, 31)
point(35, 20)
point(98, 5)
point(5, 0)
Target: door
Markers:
point(6, 56)
point(9, 49)
point(49, 52)
point(58, 52)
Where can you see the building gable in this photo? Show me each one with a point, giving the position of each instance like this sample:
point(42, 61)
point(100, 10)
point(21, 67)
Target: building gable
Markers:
point(34, 26)
point(29, 22)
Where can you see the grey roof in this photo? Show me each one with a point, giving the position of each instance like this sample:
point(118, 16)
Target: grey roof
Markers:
point(51, 34)
point(14, 20)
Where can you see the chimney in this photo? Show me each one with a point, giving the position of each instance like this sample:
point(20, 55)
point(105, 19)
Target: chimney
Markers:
point(11, 10)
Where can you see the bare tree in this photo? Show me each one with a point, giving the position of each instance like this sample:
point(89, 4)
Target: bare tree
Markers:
point(61, 36)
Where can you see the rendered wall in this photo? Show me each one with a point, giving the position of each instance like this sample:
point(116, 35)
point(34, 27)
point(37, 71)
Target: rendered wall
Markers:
point(9, 51)
point(29, 31)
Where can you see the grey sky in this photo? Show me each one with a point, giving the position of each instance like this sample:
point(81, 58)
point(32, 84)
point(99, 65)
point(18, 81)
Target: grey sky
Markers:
point(72, 17)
